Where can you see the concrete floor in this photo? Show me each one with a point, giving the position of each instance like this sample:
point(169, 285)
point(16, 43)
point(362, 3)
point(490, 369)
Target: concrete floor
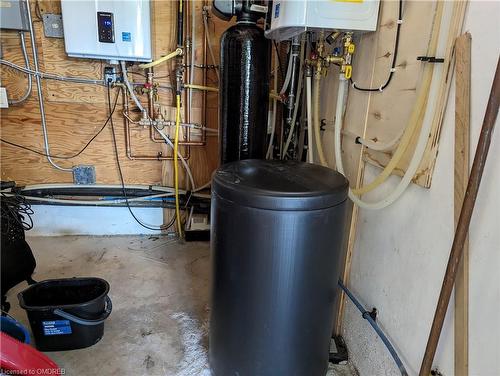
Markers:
point(159, 289)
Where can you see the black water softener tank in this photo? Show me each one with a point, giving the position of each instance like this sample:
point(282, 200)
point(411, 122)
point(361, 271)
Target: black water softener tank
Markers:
point(277, 231)
point(244, 82)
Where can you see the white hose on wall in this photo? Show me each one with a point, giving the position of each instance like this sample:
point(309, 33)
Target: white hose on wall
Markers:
point(297, 101)
point(129, 87)
point(410, 171)
point(269, 152)
point(316, 121)
point(310, 143)
point(288, 73)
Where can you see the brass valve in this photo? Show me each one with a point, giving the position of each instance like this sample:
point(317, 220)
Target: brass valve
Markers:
point(345, 60)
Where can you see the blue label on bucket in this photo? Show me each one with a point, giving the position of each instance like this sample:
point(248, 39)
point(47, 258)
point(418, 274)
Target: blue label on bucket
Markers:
point(56, 327)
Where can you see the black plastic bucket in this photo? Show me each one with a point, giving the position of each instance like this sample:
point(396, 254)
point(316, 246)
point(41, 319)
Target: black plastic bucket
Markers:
point(67, 314)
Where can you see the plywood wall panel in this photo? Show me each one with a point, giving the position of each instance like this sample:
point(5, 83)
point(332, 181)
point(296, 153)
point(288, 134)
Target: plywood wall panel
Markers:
point(75, 112)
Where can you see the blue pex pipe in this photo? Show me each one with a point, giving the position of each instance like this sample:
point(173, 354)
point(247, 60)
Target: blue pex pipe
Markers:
point(366, 315)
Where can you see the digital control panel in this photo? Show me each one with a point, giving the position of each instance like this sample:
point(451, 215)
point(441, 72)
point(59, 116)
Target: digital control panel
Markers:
point(105, 27)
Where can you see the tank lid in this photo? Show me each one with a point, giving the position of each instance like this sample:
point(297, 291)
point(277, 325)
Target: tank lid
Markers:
point(280, 185)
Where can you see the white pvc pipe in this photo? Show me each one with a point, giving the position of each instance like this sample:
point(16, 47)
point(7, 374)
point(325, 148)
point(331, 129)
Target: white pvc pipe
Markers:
point(310, 142)
point(273, 118)
point(288, 73)
point(129, 87)
point(179, 154)
point(296, 108)
point(34, 187)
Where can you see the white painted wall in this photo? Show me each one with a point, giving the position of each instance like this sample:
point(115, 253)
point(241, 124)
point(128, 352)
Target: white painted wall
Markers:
point(80, 220)
point(401, 252)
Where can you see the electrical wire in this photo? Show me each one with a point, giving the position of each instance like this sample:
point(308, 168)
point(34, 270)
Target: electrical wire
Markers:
point(394, 56)
point(122, 180)
point(16, 211)
point(67, 156)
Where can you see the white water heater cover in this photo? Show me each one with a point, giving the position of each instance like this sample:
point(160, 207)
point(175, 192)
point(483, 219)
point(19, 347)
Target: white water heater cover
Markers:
point(107, 29)
point(292, 17)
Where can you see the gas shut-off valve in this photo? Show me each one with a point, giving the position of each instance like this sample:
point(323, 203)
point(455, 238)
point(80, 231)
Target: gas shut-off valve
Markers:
point(344, 60)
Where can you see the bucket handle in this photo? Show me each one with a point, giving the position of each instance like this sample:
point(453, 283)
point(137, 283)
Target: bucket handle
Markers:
point(81, 321)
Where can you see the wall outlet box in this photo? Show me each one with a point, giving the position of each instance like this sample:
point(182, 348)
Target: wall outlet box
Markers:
point(83, 174)
point(109, 75)
point(4, 102)
point(53, 25)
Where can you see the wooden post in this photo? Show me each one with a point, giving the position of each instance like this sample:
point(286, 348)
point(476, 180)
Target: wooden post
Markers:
point(464, 219)
point(462, 151)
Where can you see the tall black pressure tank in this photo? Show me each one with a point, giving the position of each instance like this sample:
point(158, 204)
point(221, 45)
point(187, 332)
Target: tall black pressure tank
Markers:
point(243, 92)
point(277, 229)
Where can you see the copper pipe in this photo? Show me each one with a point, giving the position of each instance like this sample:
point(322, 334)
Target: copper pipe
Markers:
point(464, 219)
point(187, 134)
point(128, 142)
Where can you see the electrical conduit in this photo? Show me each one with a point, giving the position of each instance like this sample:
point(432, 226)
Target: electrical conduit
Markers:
point(27, 64)
point(40, 94)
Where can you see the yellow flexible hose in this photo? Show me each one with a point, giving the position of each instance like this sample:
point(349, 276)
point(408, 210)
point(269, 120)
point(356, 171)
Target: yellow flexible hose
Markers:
point(176, 165)
point(201, 87)
point(316, 122)
point(171, 55)
point(417, 114)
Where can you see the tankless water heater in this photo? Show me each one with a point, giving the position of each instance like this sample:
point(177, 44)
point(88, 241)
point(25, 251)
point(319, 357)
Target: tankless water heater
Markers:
point(288, 18)
point(107, 29)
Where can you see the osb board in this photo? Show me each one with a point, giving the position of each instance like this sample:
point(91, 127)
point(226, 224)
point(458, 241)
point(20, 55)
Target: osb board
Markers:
point(75, 112)
point(389, 111)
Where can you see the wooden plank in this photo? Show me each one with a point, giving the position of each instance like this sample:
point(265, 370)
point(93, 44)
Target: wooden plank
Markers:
point(461, 177)
point(356, 121)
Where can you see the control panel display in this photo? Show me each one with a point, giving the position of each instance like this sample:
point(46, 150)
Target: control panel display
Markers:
point(105, 27)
